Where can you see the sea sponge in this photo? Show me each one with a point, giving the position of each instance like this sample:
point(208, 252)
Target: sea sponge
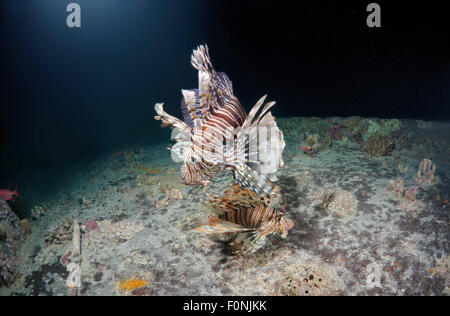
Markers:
point(341, 202)
point(406, 197)
point(426, 173)
point(134, 286)
point(409, 204)
point(131, 284)
point(378, 146)
point(396, 188)
point(309, 278)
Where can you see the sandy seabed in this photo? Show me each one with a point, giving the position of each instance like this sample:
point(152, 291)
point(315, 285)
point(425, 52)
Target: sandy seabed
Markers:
point(141, 242)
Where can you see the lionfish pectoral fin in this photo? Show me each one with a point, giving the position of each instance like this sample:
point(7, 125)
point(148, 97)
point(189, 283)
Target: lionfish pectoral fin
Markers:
point(169, 120)
point(258, 152)
point(247, 242)
point(219, 226)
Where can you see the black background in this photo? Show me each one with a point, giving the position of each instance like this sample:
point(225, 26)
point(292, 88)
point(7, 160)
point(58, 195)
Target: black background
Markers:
point(70, 93)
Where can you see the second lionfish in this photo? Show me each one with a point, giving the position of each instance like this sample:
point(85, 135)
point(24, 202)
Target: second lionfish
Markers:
point(249, 219)
point(217, 134)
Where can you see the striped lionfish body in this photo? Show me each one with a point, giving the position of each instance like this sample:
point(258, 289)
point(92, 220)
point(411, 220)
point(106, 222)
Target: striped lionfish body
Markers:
point(251, 221)
point(217, 134)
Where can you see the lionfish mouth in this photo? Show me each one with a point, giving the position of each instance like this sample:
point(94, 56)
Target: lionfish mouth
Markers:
point(290, 223)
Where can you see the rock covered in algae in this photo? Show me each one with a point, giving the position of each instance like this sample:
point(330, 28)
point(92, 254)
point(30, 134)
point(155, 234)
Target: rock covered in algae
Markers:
point(8, 270)
point(11, 232)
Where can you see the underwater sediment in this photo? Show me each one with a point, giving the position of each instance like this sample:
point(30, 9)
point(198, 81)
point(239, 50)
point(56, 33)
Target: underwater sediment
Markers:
point(387, 235)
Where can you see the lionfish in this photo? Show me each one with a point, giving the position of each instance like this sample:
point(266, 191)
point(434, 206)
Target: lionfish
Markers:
point(217, 134)
point(249, 218)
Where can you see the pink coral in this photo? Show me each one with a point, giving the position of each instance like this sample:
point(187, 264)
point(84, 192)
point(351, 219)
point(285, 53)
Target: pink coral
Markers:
point(66, 259)
point(410, 194)
point(90, 225)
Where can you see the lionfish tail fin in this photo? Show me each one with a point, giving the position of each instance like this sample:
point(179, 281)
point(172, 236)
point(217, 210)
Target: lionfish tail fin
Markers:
point(247, 242)
point(219, 226)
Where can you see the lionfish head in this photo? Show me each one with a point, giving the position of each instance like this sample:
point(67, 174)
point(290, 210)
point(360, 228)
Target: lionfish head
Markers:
point(283, 223)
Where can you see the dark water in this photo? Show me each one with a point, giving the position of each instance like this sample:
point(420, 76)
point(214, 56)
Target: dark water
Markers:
point(68, 93)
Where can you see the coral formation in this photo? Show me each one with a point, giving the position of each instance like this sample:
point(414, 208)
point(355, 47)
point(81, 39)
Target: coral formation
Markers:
point(37, 211)
point(337, 131)
point(352, 122)
point(309, 279)
point(26, 225)
point(406, 197)
point(11, 236)
point(426, 173)
point(371, 128)
point(171, 195)
point(391, 126)
point(60, 234)
point(341, 202)
point(396, 188)
point(315, 143)
point(8, 270)
point(377, 146)
point(401, 168)
point(11, 232)
point(90, 225)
